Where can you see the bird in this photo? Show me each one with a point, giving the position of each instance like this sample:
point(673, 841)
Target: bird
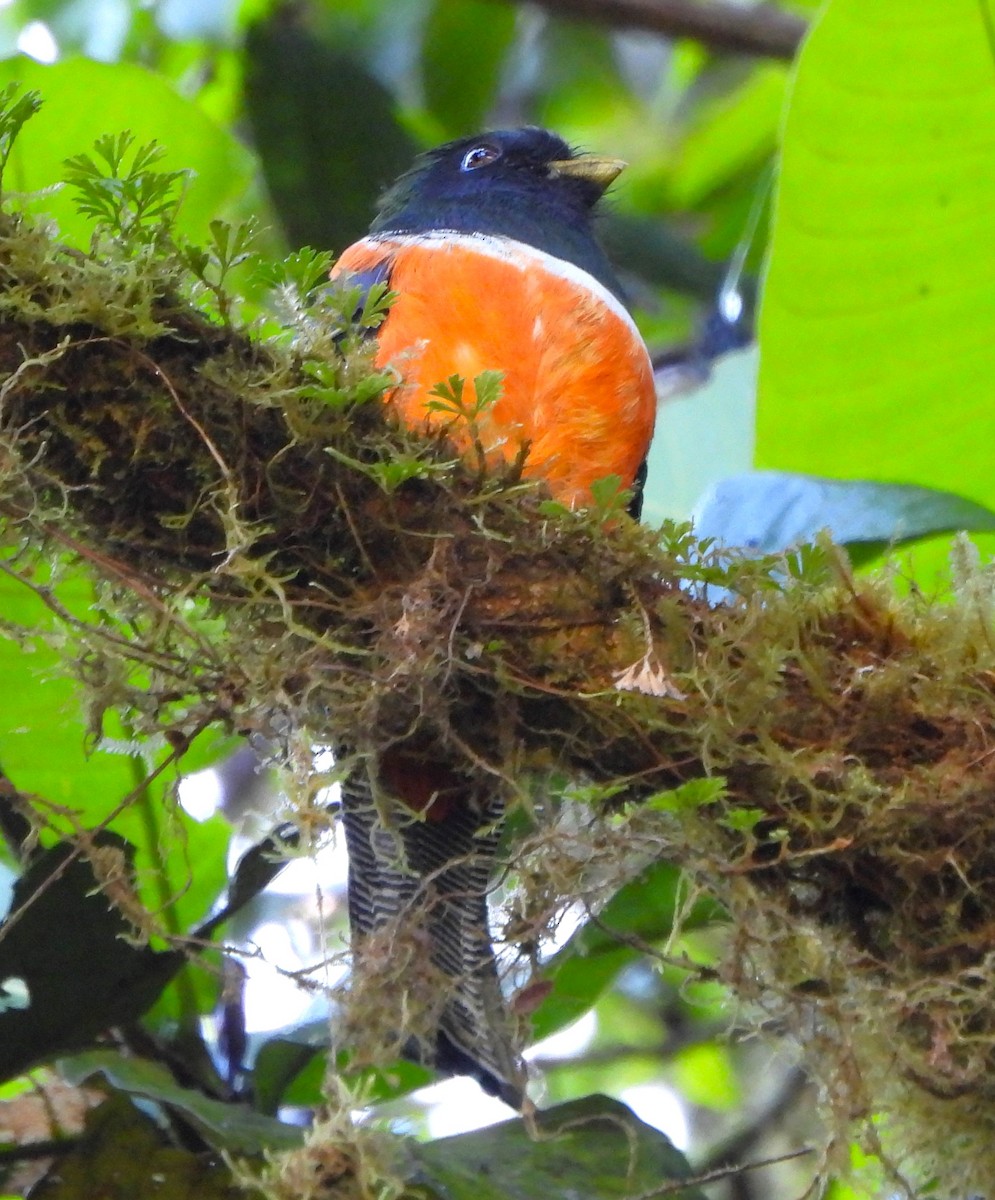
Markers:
point(488, 246)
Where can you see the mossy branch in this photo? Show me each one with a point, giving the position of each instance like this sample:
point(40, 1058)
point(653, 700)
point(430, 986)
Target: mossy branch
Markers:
point(355, 583)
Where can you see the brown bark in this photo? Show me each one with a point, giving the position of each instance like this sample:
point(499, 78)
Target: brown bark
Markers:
point(761, 29)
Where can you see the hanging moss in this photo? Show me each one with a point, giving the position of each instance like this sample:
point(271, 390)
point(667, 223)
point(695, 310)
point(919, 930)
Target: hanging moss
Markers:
point(279, 557)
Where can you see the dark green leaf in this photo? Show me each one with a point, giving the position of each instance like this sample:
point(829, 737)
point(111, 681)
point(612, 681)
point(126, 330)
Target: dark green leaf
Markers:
point(291, 1069)
point(66, 946)
point(770, 511)
point(256, 869)
point(465, 44)
point(323, 167)
point(660, 254)
point(122, 1152)
point(226, 1126)
point(590, 1149)
point(282, 1059)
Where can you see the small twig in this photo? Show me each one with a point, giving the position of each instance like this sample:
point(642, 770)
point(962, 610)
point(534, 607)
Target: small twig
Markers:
point(676, 1186)
point(641, 946)
point(618, 1053)
point(174, 394)
point(33, 1150)
point(762, 29)
point(743, 1140)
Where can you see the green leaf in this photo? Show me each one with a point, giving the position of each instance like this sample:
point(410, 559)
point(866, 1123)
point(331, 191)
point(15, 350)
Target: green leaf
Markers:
point(230, 1127)
point(658, 253)
point(696, 793)
point(465, 43)
point(323, 168)
point(590, 1149)
point(120, 96)
point(67, 970)
point(571, 51)
point(645, 908)
point(256, 869)
point(42, 734)
point(742, 820)
point(771, 511)
point(488, 385)
point(729, 136)
point(608, 496)
point(282, 1059)
point(16, 107)
point(304, 270)
point(125, 198)
point(44, 752)
point(704, 1075)
point(293, 1069)
point(876, 324)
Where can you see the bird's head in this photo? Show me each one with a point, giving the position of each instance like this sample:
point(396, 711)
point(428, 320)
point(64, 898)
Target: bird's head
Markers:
point(526, 184)
point(477, 178)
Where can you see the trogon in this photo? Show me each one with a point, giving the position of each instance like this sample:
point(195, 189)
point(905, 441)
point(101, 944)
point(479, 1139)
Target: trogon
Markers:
point(489, 244)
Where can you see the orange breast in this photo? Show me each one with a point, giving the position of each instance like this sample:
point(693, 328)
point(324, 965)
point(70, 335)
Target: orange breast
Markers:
point(578, 384)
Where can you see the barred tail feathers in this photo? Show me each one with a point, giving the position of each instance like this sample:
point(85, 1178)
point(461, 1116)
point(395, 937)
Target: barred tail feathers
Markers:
point(421, 846)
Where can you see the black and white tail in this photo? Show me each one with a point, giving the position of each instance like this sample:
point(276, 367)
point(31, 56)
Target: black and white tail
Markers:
point(422, 844)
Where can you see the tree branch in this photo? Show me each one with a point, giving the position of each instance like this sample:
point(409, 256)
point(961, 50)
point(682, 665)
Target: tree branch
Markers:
point(285, 559)
point(761, 30)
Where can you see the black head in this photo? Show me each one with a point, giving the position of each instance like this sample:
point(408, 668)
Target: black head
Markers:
point(526, 184)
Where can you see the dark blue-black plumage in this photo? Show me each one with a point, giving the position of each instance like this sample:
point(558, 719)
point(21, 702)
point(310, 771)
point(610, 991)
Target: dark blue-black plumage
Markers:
point(503, 183)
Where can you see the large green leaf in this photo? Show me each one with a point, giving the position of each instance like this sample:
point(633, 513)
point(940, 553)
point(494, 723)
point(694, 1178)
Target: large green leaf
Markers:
point(84, 99)
point(124, 1153)
point(877, 352)
point(46, 750)
point(43, 736)
point(590, 1149)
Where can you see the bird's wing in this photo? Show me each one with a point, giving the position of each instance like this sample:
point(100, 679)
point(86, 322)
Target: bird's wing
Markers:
point(364, 265)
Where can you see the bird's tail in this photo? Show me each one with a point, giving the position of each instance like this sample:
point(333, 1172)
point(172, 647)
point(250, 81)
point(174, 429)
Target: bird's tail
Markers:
point(421, 843)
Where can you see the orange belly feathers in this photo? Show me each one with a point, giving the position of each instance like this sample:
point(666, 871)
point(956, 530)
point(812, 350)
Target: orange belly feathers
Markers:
point(578, 383)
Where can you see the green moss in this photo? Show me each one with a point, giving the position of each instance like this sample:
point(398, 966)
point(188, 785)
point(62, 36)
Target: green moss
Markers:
point(274, 555)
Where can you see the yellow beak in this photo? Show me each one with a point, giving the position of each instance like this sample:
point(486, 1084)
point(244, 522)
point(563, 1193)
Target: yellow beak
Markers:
point(593, 167)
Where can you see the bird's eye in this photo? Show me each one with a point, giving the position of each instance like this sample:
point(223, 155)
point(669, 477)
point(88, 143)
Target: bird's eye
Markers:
point(479, 156)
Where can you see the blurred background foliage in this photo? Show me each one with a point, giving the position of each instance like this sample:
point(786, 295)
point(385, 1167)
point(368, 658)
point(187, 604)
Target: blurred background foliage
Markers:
point(876, 365)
